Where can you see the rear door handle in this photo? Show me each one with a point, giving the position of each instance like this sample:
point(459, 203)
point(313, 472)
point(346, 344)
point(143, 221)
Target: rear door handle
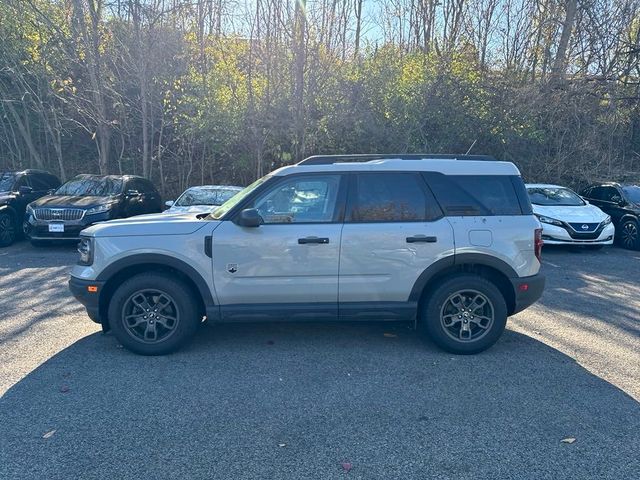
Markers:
point(421, 239)
point(305, 240)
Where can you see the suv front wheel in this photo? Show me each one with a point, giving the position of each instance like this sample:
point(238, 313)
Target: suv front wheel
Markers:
point(153, 314)
point(466, 314)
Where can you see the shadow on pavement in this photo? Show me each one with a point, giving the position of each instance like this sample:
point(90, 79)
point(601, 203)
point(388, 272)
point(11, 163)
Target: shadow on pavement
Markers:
point(294, 401)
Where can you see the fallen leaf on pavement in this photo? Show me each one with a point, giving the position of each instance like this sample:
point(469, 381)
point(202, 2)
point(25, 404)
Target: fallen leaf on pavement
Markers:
point(346, 466)
point(568, 440)
point(64, 388)
point(282, 445)
point(390, 335)
point(49, 434)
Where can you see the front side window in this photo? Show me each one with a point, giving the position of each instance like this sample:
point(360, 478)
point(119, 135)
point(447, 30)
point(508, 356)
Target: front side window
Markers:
point(390, 197)
point(549, 196)
point(219, 212)
point(91, 186)
point(304, 199)
point(611, 194)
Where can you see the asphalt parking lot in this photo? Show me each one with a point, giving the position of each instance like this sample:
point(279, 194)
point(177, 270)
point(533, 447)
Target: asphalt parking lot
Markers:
point(324, 401)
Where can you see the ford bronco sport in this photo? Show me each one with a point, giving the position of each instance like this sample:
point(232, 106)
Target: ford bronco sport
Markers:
point(449, 244)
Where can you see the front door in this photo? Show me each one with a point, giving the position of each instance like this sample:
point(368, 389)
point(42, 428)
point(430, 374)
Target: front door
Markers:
point(288, 266)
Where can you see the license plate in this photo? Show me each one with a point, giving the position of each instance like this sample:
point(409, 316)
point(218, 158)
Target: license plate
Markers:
point(56, 227)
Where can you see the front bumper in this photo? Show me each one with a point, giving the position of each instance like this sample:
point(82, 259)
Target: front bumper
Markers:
point(527, 291)
point(87, 296)
point(39, 229)
point(556, 235)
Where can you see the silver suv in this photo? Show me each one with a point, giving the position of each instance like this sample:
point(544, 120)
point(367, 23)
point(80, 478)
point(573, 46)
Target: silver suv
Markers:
point(447, 243)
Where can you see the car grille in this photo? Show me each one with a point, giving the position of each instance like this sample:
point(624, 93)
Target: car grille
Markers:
point(59, 213)
point(577, 232)
point(584, 227)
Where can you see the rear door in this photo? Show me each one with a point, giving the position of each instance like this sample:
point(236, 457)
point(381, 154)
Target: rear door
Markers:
point(288, 266)
point(393, 231)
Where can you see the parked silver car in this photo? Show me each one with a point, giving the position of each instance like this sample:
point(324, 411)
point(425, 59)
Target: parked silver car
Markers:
point(202, 199)
point(450, 245)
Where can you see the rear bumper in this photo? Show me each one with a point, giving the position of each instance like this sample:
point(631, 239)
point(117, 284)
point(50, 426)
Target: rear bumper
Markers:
point(80, 290)
point(527, 291)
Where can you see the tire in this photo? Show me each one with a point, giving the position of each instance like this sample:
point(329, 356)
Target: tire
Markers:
point(629, 235)
point(8, 233)
point(483, 325)
point(172, 325)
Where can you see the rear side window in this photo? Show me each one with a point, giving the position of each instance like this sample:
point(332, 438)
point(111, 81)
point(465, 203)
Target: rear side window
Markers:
point(484, 195)
point(391, 197)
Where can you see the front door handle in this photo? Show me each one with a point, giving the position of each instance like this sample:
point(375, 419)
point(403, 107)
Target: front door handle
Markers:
point(305, 240)
point(421, 239)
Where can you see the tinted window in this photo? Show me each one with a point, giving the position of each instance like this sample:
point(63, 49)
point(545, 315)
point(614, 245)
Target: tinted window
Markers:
point(465, 195)
point(391, 197)
point(610, 194)
point(88, 186)
point(300, 199)
point(40, 182)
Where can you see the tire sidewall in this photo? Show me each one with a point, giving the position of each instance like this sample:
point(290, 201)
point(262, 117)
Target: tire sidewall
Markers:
point(636, 245)
point(15, 234)
point(430, 314)
point(185, 303)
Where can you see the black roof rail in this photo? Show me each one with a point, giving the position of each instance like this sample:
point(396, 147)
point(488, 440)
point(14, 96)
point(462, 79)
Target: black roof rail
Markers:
point(330, 159)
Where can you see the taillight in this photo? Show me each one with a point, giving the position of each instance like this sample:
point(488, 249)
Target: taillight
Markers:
point(537, 243)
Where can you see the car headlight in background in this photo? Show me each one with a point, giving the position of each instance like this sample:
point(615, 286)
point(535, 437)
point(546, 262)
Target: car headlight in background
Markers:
point(607, 220)
point(30, 210)
point(99, 209)
point(85, 249)
point(549, 220)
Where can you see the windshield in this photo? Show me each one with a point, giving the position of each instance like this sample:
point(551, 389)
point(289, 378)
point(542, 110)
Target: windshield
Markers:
point(91, 186)
point(632, 193)
point(205, 196)
point(551, 196)
point(6, 181)
point(236, 199)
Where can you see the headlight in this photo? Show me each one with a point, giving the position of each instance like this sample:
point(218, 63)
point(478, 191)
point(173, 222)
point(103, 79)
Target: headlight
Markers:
point(549, 220)
point(99, 209)
point(607, 220)
point(85, 249)
point(30, 210)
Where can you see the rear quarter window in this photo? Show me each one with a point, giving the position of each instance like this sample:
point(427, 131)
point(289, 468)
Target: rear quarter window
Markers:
point(483, 195)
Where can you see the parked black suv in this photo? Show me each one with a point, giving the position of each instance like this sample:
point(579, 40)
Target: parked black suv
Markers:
point(622, 202)
point(89, 199)
point(17, 189)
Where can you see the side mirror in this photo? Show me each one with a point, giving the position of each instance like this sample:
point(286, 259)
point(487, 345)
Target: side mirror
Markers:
point(51, 191)
point(133, 193)
point(25, 190)
point(249, 217)
point(169, 203)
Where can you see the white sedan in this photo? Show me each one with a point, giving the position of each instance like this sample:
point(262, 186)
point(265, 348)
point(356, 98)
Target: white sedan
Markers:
point(202, 199)
point(568, 219)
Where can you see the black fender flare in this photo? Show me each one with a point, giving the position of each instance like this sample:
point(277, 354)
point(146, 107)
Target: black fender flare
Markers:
point(161, 260)
point(458, 259)
point(629, 216)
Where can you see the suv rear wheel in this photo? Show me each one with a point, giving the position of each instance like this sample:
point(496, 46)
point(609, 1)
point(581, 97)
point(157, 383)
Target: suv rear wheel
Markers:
point(153, 314)
point(466, 314)
point(630, 235)
point(7, 230)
